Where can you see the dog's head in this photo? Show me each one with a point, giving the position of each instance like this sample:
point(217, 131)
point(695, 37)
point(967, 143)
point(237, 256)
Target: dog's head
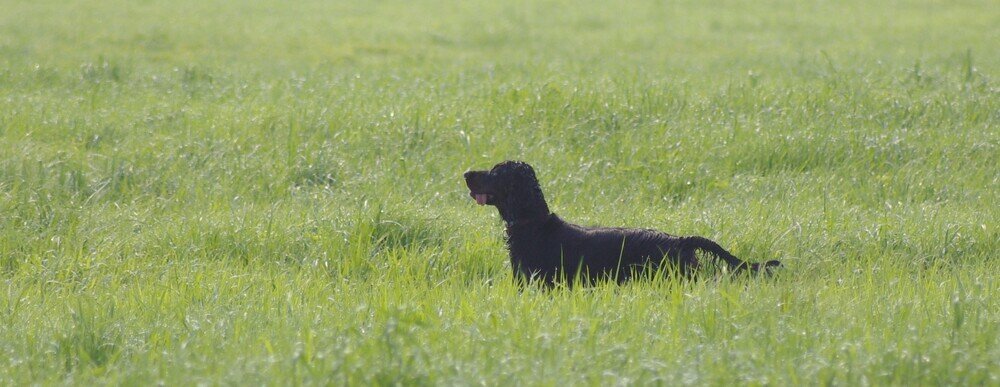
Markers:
point(512, 187)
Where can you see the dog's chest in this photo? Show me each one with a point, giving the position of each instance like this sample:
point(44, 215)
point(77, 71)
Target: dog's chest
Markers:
point(534, 248)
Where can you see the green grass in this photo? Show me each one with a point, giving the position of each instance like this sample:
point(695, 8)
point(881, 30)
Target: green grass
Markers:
point(207, 192)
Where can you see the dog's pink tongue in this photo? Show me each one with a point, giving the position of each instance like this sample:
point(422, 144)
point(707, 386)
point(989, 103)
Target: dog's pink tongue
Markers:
point(481, 199)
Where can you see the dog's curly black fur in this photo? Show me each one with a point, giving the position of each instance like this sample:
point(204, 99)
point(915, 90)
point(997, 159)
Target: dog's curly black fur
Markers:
point(546, 248)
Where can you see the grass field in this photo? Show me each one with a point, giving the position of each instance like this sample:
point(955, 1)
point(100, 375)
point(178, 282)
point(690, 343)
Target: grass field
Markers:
point(259, 192)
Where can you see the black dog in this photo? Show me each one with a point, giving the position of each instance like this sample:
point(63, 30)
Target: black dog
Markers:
point(544, 247)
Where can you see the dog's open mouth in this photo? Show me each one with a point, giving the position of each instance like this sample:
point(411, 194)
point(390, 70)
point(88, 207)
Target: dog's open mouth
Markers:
point(481, 198)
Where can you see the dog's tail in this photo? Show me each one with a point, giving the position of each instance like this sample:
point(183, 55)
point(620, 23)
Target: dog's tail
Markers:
point(738, 265)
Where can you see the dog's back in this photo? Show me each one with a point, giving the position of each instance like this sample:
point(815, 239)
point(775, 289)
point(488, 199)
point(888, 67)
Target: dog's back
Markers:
point(559, 249)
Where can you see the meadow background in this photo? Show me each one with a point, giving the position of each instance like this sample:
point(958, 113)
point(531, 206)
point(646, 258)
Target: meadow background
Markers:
point(270, 192)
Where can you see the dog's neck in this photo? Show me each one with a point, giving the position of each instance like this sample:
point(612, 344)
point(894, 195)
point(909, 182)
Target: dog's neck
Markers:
point(522, 213)
point(538, 219)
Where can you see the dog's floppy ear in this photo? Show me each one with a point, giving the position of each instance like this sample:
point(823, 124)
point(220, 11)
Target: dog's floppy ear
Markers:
point(523, 184)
